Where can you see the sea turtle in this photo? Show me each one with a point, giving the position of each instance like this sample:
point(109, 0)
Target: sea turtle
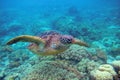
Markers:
point(48, 43)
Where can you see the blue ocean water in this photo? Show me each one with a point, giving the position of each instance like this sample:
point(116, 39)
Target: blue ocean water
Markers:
point(96, 22)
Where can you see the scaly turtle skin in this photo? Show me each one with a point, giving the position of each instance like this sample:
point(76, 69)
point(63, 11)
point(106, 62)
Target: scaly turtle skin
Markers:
point(48, 43)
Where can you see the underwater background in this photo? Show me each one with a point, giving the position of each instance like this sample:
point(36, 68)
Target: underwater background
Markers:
point(96, 22)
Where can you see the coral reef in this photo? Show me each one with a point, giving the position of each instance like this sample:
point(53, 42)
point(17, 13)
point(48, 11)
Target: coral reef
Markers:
point(52, 70)
point(68, 63)
point(76, 63)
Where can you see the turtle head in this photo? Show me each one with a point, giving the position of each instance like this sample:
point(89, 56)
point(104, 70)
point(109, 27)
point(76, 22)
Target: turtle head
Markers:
point(68, 39)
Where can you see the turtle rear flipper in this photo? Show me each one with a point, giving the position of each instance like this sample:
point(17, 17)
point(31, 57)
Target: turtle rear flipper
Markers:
point(26, 38)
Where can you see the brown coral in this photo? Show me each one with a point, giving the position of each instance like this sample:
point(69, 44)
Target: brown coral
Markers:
point(101, 54)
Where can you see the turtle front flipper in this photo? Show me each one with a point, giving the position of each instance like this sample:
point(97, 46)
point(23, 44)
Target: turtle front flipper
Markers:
point(26, 38)
point(81, 43)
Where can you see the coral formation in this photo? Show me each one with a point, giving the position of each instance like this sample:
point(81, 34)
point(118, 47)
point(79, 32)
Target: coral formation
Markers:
point(101, 55)
point(115, 51)
point(104, 72)
point(74, 53)
point(19, 55)
point(90, 65)
point(14, 64)
point(116, 65)
point(2, 75)
point(12, 77)
point(101, 75)
point(108, 68)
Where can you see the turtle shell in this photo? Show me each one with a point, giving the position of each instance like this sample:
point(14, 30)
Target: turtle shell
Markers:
point(49, 33)
point(65, 39)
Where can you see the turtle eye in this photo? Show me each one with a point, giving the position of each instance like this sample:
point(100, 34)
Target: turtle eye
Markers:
point(69, 40)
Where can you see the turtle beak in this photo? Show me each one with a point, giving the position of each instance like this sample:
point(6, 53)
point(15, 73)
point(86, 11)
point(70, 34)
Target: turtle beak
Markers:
point(79, 42)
